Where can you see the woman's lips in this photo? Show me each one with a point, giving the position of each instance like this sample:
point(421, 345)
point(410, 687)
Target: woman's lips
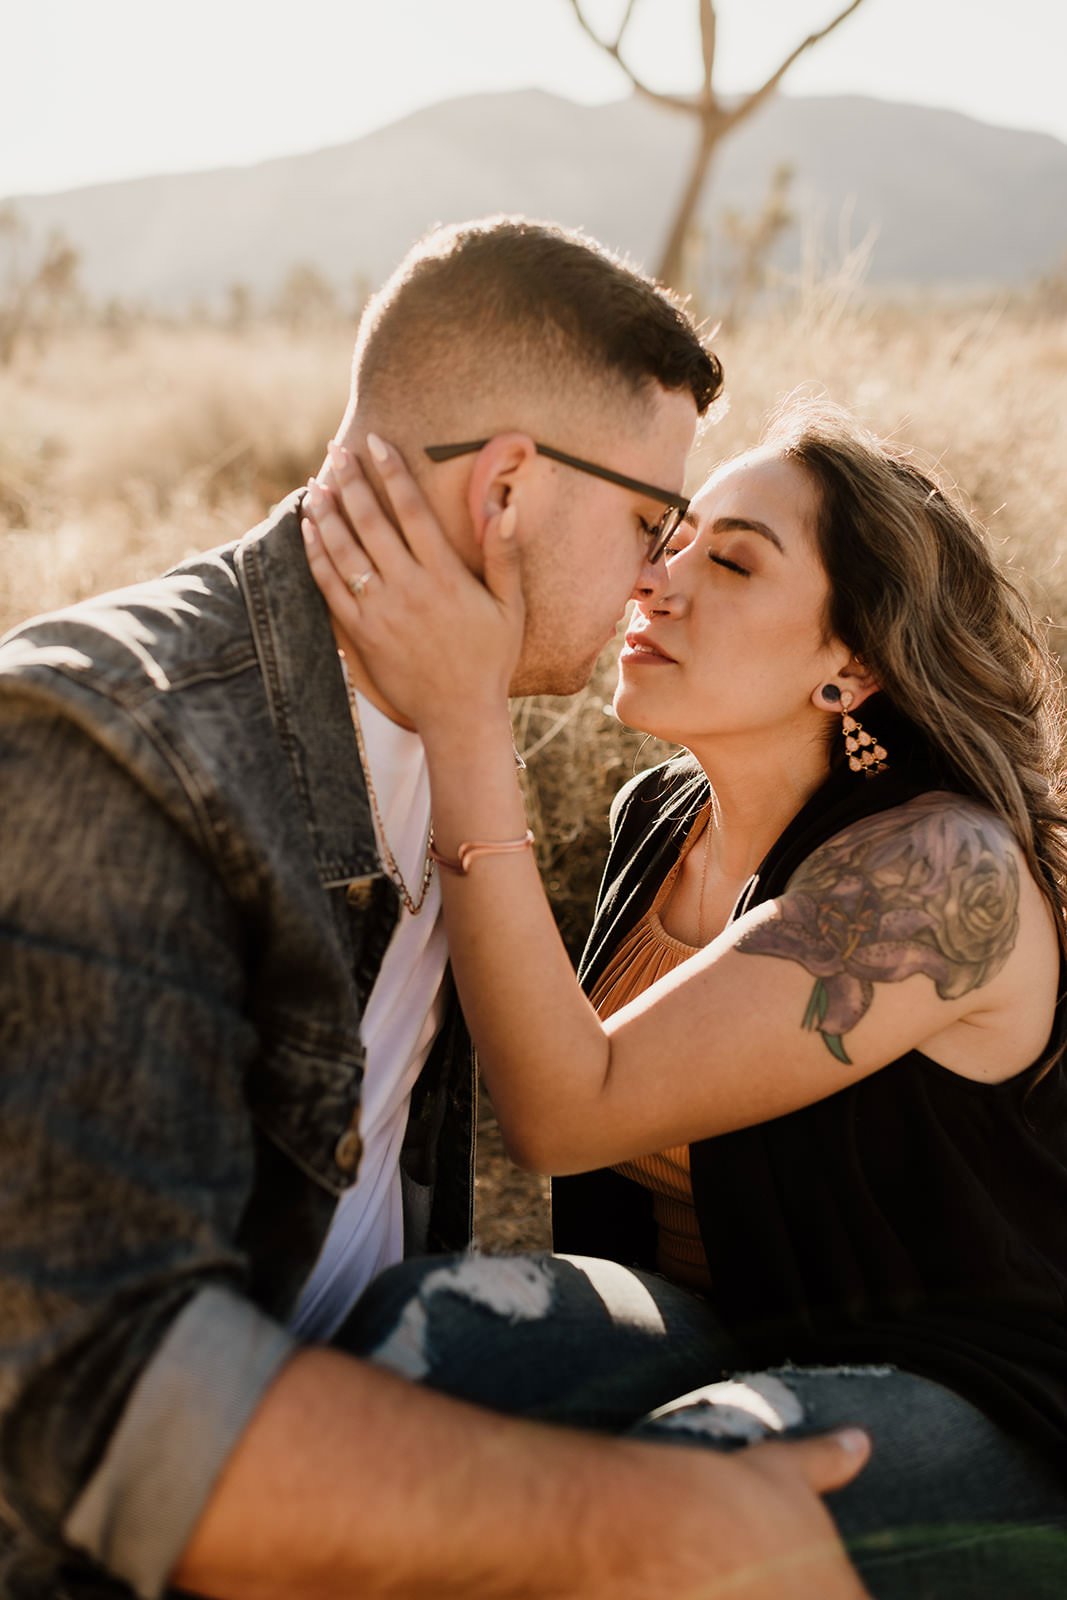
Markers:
point(640, 648)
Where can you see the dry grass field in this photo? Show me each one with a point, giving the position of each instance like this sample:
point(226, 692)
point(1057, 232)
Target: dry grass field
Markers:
point(123, 451)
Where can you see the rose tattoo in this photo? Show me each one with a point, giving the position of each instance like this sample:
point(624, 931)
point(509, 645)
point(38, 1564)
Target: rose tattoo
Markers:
point(924, 888)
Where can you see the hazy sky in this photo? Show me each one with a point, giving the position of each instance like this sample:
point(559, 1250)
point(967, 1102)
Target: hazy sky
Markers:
point(102, 89)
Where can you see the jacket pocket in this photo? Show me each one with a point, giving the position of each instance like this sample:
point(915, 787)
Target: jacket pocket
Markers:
point(306, 1101)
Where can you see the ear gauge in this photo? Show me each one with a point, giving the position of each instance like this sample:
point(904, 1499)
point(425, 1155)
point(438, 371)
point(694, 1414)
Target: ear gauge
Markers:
point(864, 752)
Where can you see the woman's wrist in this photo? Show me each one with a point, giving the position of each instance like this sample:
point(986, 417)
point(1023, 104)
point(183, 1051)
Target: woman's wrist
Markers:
point(474, 786)
point(467, 730)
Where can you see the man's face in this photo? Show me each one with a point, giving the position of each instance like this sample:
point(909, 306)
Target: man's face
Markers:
point(585, 542)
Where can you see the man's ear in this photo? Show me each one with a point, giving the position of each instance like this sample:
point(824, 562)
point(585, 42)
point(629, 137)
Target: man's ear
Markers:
point(495, 477)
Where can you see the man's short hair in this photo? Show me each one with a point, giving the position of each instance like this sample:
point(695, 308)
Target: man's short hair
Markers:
point(506, 302)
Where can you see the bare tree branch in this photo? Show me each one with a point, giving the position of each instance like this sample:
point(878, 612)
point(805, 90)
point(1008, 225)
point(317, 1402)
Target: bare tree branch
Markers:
point(714, 120)
point(707, 44)
point(676, 102)
point(753, 101)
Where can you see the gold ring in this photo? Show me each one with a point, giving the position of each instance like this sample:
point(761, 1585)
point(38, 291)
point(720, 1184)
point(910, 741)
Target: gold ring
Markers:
point(358, 584)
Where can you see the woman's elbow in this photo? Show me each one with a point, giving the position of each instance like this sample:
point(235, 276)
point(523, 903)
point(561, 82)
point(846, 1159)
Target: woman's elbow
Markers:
point(545, 1150)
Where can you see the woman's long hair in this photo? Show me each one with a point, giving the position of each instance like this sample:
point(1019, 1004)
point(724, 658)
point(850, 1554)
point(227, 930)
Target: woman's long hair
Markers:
point(918, 597)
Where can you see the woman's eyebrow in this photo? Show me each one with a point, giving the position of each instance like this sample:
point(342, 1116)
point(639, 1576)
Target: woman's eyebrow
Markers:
point(732, 524)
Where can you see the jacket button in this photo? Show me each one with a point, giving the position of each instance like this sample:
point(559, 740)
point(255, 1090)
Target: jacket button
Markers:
point(359, 892)
point(348, 1150)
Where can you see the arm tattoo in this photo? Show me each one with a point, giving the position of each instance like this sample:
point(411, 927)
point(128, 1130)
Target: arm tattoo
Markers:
point(928, 887)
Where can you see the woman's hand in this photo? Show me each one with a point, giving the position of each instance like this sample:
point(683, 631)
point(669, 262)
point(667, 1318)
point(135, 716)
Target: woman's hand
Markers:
point(440, 644)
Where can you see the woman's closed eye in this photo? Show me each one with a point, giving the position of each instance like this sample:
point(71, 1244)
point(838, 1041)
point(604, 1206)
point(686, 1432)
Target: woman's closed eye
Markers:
point(732, 566)
point(672, 550)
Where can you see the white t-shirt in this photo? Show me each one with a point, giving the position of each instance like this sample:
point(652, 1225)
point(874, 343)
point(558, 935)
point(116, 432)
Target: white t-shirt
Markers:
point(402, 1016)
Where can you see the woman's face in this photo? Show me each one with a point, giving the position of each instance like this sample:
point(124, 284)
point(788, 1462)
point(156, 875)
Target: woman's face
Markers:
point(726, 639)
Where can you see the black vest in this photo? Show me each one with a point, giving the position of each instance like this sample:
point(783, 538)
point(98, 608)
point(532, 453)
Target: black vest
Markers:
point(916, 1217)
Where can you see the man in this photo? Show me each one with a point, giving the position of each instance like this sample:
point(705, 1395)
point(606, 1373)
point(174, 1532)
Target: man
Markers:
point(235, 1082)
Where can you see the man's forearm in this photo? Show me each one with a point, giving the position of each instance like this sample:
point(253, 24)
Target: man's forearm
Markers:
point(352, 1482)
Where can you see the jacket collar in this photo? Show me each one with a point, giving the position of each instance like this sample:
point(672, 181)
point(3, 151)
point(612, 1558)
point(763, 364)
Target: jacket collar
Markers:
point(306, 693)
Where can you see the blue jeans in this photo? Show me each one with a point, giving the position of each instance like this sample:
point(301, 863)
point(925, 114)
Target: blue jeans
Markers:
point(948, 1508)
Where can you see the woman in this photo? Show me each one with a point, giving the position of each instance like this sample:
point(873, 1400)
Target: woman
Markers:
point(825, 972)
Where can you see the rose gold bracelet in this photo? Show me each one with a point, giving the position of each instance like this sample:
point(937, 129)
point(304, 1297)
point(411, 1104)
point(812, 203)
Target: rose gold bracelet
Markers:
point(479, 847)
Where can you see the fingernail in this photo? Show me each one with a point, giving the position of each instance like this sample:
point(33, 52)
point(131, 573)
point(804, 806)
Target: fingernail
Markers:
point(378, 448)
point(852, 1440)
point(316, 494)
point(508, 522)
point(307, 528)
point(340, 460)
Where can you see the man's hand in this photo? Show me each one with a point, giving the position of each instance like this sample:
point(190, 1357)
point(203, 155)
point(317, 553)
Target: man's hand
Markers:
point(755, 1529)
point(401, 592)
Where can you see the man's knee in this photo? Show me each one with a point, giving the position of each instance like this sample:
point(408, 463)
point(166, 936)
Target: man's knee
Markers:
point(402, 1318)
point(737, 1411)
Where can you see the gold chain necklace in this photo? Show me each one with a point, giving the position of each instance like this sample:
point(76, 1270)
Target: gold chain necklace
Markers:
point(412, 905)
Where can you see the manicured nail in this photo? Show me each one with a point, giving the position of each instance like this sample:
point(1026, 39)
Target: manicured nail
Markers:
point(307, 528)
point(853, 1440)
point(340, 460)
point(316, 494)
point(378, 449)
point(508, 522)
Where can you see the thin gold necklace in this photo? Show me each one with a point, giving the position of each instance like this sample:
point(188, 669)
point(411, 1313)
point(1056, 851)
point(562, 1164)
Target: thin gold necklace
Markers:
point(412, 905)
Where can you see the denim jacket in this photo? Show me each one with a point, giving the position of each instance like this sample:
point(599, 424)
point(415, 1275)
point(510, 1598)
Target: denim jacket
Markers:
point(192, 915)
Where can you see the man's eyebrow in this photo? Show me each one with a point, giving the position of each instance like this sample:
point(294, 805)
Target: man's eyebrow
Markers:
point(732, 524)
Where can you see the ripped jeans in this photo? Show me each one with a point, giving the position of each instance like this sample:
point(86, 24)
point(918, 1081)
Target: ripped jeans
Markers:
point(948, 1508)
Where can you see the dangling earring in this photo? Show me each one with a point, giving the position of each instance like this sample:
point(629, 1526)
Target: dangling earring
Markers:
point(865, 754)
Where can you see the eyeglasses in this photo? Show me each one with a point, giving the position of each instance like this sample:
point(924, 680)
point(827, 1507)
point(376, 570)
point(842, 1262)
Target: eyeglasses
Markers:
point(659, 536)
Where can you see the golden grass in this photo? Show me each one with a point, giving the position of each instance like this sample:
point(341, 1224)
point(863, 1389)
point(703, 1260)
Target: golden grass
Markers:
point(122, 452)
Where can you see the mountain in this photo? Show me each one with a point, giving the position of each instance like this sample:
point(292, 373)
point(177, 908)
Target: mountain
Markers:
point(952, 200)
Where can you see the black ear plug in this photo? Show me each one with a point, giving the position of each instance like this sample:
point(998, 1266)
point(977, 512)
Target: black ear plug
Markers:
point(832, 693)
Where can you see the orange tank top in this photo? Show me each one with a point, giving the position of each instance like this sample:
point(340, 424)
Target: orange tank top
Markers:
point(649, 952)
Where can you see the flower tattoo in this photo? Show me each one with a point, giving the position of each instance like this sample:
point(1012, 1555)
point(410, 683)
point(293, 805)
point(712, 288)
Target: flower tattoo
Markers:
point(927, 887)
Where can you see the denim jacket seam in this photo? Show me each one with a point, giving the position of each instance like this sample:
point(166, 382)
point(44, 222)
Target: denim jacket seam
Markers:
point(231, 666)
point(128, 697)
point(125, 711)
point(247, 564)
point(280, 1142)
point(217, 840)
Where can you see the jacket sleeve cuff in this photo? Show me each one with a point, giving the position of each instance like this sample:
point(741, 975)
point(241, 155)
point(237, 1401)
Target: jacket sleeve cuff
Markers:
point(183, 1418)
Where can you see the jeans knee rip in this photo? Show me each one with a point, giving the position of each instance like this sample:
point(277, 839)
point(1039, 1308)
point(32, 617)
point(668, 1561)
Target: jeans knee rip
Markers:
point(518, 1289)
point(746, 1408)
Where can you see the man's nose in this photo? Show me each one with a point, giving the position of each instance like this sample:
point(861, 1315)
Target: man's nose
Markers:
point(653, 588)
